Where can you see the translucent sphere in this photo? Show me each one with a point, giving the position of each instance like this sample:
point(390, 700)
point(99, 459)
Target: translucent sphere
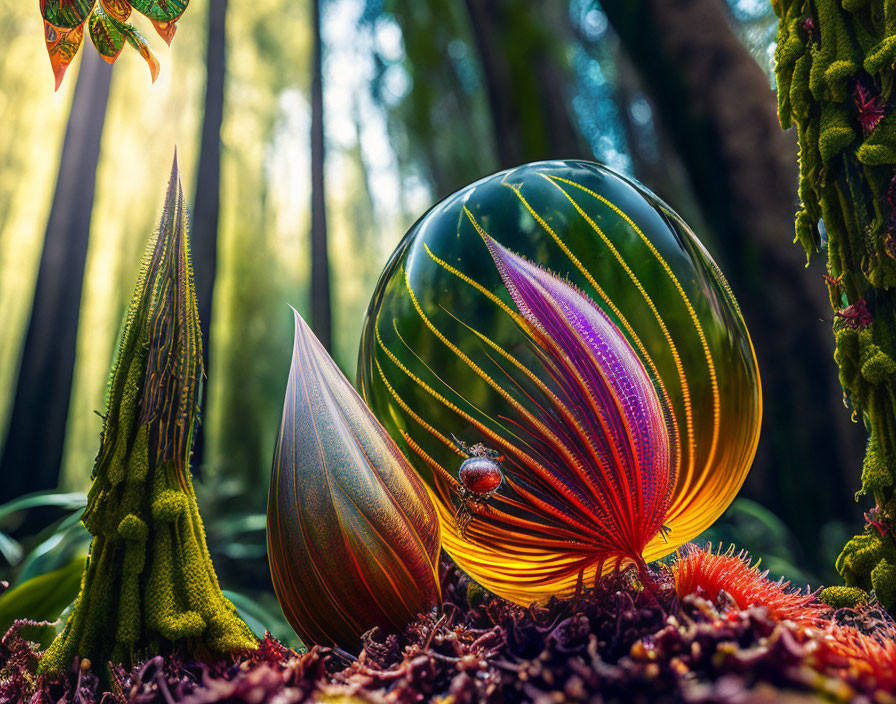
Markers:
point(445, 365)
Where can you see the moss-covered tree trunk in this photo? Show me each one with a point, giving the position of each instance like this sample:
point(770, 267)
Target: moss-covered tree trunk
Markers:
point(835, 71)
point(149, 586)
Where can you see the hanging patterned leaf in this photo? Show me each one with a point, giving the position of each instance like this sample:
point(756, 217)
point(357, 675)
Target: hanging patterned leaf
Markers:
point(107, 35)
point(66, 14)
point(107, 23)
point(160, 10)
point(136, 40)
point(119, 9)
point(166, 30)
point(62, 45)
point(353, 537)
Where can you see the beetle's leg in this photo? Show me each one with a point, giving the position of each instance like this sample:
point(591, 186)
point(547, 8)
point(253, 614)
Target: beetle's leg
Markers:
point(462, 517)
point(460, 445)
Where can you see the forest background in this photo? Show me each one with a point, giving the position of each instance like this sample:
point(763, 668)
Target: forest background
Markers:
point(415, 99)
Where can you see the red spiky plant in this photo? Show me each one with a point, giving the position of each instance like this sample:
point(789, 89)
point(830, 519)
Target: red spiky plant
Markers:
point(845, 651)
point(707, 574)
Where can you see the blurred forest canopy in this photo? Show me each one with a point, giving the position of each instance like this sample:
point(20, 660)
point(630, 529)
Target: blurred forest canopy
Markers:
point(419, 99)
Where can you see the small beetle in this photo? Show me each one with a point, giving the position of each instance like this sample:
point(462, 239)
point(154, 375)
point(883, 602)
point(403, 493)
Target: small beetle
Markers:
point(480, 477)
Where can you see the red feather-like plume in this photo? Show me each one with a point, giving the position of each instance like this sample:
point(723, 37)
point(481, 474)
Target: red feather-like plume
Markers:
point(593, 455)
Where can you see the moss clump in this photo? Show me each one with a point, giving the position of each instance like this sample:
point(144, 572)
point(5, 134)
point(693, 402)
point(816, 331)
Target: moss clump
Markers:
point(835, 72)
point(843, 597)
point(149, 586)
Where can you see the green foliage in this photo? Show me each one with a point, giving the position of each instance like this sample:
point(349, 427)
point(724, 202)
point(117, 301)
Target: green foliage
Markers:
point(835, 71)
point(754, 528)
point(42, 598)
point(237, 540)
point(264, 615)
point(441, 121)
point(61, 543)
point(149, 582)
point(11, 549)
point(46, 571)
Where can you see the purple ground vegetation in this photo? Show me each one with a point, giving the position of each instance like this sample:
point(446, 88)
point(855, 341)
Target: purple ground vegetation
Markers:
point(614, 642)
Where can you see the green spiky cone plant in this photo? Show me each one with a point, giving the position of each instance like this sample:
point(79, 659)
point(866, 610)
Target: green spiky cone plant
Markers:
point(835, 74)
point(149, 586)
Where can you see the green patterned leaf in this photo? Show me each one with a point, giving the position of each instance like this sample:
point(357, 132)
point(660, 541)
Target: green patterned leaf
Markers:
point(160, 10)
point(65, 22)
point(106, 33)
point(119, 9)
point(109, 36)
point(66, 14)
point(138, 41)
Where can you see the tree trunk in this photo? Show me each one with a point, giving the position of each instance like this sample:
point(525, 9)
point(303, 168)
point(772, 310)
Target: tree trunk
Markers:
point(525, 80)
point(443, 124)
point(848, 180)
point(719, 111)
point(208, 186)
point(321, 319)
point(33, 449)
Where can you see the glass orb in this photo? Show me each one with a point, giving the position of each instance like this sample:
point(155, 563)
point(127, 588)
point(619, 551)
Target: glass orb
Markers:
point(440, 333)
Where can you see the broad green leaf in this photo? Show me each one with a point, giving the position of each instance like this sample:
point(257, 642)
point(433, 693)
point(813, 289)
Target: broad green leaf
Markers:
point(66, 14)
point(259, 619)
point(160, 10)
point(136, 40)
point(70, 501)
point(67, 542)
point(10, 549)
point(42, 598)
point(62, 45)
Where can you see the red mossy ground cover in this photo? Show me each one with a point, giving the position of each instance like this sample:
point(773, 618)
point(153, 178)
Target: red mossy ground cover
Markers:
point(615, 642)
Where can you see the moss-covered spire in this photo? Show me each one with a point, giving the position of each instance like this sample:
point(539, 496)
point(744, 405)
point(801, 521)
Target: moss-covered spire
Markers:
point(149, 585)
point(835, 74)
